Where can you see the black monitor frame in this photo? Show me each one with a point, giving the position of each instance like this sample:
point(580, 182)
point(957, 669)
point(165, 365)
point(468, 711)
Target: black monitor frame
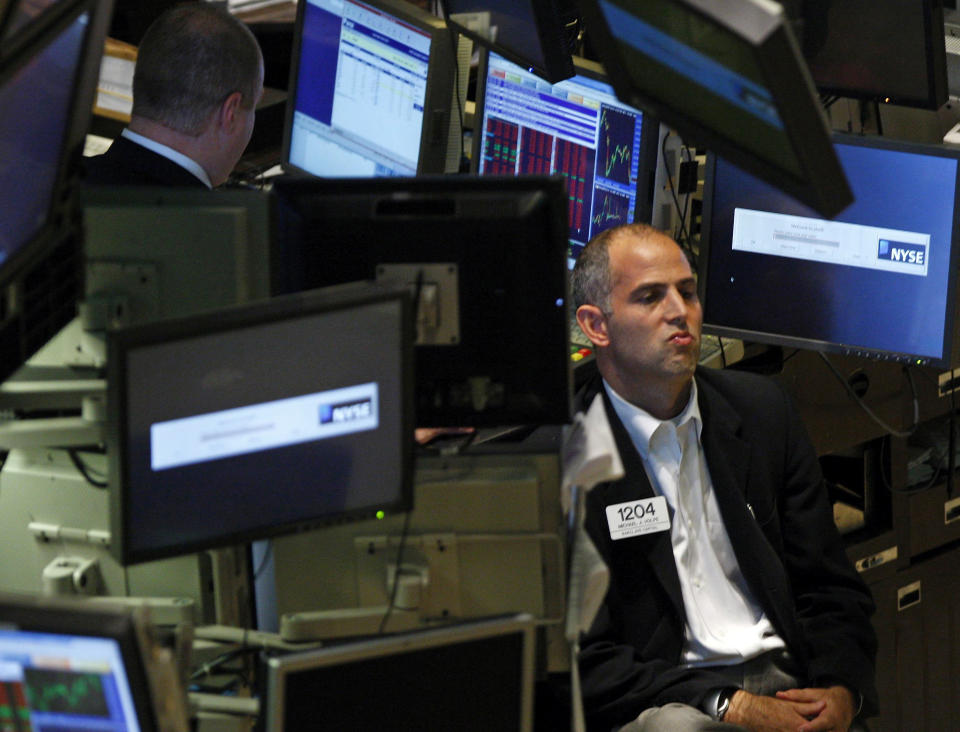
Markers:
point(127, 544)
point(717, 267)
point(649, 151)
point(541, 16)
point(494, 249)
point(438, 100)
point(879, 26)
point(784, 138)
point(44, 272)
point(84, 618)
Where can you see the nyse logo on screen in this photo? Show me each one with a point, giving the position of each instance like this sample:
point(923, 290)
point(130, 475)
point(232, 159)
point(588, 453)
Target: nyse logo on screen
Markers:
point(346, 411)
point(902, 251)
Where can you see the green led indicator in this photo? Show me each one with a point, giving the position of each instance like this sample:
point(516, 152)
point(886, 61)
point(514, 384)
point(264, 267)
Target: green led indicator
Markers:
point(381, 515)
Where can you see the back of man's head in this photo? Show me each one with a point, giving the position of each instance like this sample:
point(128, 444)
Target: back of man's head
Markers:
point(190, 59)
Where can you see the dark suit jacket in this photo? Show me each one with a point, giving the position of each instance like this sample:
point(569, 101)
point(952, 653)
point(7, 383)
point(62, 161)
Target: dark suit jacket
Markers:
point(127, 163)
point(770, 492)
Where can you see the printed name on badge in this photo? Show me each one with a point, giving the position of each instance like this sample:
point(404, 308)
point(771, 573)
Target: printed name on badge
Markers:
point(636, 518)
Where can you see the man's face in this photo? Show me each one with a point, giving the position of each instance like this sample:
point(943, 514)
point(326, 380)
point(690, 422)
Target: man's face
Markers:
point(654, 326)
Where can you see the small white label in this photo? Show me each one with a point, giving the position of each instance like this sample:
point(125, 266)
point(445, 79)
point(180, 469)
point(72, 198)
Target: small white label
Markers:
point(636, 518)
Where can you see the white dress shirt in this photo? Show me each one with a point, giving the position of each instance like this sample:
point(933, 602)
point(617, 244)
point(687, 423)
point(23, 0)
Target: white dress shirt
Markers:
point(170, 154)
point(724, 623)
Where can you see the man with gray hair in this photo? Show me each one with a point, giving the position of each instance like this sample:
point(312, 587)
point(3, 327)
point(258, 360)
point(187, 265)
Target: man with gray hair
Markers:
point(196, 84)
point(732, 604)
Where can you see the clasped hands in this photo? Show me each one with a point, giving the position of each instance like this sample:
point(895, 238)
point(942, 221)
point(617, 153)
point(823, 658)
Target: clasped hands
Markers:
point(795, 710)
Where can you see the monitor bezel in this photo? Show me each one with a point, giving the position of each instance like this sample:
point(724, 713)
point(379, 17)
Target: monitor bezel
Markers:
point(649, 135)
point(302, 304)
point(280, 668)
point(936, 92)
point(61, 616)
point(425, 200)
point(558, 62)
point(40, 249)
point(439, 94)
point(763, 27)
point(950, 342)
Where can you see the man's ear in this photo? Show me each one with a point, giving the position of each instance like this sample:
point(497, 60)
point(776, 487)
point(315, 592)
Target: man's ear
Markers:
point(229, 110)
point(593, 323)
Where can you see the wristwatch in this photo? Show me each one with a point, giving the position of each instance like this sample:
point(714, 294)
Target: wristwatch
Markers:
point(718, 702)
point(723, 702)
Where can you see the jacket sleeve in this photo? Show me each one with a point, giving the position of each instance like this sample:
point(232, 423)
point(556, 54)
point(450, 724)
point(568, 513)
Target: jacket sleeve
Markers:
point(833, 605)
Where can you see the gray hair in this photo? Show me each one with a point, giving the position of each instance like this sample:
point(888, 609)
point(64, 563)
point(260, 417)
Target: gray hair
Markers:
point(190, 60)
point(591, 281)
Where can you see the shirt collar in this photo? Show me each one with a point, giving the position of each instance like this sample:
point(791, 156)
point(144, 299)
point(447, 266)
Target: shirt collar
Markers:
point(641, 425)
point(168, 152)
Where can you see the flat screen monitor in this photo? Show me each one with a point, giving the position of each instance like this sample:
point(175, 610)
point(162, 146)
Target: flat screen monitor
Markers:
point(474, 676)
point(486, 260)
point(46, 97)
point(531, 33)
point(18, 15)
point(66, 665)
point(889, 51)
point(728, 76)
point(246, 423)
point(877, 281)
point(605, 150)
point(371, 88)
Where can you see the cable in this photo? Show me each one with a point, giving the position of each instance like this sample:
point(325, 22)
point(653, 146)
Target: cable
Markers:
point(870, 413)
point(463, 161)
point(396, 575)
point(685, 243)
point(85, 470)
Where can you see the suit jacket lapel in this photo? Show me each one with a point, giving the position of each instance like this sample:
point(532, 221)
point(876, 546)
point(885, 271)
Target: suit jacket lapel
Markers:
point(728, 458)
point(656, 548)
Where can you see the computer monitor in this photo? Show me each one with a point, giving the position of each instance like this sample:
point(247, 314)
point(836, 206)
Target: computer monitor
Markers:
point(889, 51)
point(605, 150)
point(47, 85)
point(878, 280)
point(71, 665)
point(469, 676)
point(246, 423)
point(486, 260)
point(17, 15)
point(371, 89)
point(728, 77)
point(531, 33)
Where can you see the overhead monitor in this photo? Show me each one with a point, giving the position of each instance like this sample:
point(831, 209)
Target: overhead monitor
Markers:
point(46, 98)
point(486, 260)
point(531, 33)
point(878, 280)
point(728, 76)
point(67, 665)
point(475, 676)
point(889, 51)
point(371, 88)
point(605, 150)
point(19, 17)
point(246, 423)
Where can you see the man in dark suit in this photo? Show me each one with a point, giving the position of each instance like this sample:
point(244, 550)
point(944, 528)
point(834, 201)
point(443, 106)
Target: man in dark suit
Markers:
point(196, 83)
point(732, 604)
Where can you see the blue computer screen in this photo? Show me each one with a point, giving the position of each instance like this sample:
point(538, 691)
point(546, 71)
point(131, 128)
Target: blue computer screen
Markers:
point(34, 108)
point(53, 681)
point(577, 128)
point(360, 89)
point(876, 279)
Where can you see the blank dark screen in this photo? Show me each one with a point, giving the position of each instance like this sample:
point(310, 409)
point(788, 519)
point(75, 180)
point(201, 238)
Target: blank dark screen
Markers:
point(467, 686)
